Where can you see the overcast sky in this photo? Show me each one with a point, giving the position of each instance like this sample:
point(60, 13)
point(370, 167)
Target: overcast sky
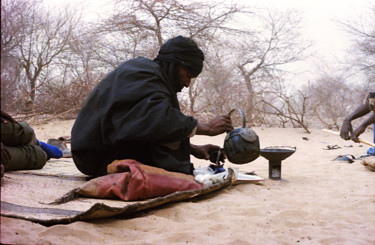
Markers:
point(331, 43)
point(321, 17)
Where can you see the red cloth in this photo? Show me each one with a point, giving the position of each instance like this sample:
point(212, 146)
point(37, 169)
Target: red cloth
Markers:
point(130, 180)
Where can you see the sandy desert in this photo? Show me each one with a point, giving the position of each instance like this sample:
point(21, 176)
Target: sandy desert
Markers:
point(318, 201)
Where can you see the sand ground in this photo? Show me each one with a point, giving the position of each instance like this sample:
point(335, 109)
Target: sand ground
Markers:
point(318, 201)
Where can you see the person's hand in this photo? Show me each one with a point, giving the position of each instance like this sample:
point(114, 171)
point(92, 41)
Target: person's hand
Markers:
point(203, 151)
point(216, 126)
point(219, 125)
point(346, 130)
point(357, 132)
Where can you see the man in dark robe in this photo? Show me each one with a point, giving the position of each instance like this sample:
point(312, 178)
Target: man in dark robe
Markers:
point(133, 113)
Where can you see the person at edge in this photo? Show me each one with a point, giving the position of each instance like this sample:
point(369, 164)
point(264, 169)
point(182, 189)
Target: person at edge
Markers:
point(20, 149)
point(134, 113)
point(363, 109)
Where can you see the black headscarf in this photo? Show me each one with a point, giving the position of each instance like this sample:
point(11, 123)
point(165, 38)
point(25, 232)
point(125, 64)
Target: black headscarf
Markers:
point(180, 51)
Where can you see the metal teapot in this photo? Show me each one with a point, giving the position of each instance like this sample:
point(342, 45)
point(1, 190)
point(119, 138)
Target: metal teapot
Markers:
point(241, 145)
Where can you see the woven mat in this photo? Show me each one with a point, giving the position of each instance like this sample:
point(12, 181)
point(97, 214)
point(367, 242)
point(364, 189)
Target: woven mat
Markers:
point(27, 194)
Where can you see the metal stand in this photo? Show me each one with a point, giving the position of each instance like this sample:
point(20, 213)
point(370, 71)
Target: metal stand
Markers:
point(274, 170)
point(275, 155)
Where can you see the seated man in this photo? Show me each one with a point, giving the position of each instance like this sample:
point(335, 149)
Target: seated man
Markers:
point(133, 113)
point(20, 150)
point(347, 130)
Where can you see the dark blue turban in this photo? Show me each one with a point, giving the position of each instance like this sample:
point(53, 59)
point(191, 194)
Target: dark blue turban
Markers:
point(182, 51)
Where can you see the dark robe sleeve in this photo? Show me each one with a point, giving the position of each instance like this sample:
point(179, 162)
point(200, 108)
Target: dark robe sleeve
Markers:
point(142, 110)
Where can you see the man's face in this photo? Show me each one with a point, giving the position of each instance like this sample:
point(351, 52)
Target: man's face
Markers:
point(185, 77)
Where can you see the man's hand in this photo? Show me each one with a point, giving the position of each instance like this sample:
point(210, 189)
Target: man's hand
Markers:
point(346, 130)
point(216, 126)
point(357, 132)
point(362, 128)
point(203, 151)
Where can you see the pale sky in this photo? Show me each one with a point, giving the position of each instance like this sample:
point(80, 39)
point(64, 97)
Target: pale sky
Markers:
point(330, 42)
point(320, 18)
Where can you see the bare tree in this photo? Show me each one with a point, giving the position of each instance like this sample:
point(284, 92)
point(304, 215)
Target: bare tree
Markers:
point(214, 91)
point(264, 51)
point(11, 24)
point(162, 19)
point(11, 27)
point(331, 99)
point(362, 54)
point(290, 109)
point(46, 35)
point(66, 93)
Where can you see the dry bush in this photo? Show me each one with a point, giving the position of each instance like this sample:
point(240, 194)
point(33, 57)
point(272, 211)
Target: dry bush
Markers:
point(331, 99)
point(283, 108)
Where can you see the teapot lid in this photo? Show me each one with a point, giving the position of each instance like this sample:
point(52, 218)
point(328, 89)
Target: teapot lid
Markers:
point(247, 134)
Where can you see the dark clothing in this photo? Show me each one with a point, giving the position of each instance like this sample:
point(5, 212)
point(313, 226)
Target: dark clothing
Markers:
point(130, 114)
point(16, 137)
point(176, 52)
point(182, 51)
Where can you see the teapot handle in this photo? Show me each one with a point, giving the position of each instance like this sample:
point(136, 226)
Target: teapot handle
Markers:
point(242, 114)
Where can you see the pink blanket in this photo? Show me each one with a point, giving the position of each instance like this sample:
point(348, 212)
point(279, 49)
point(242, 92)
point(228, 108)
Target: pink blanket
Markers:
point(130, 180)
